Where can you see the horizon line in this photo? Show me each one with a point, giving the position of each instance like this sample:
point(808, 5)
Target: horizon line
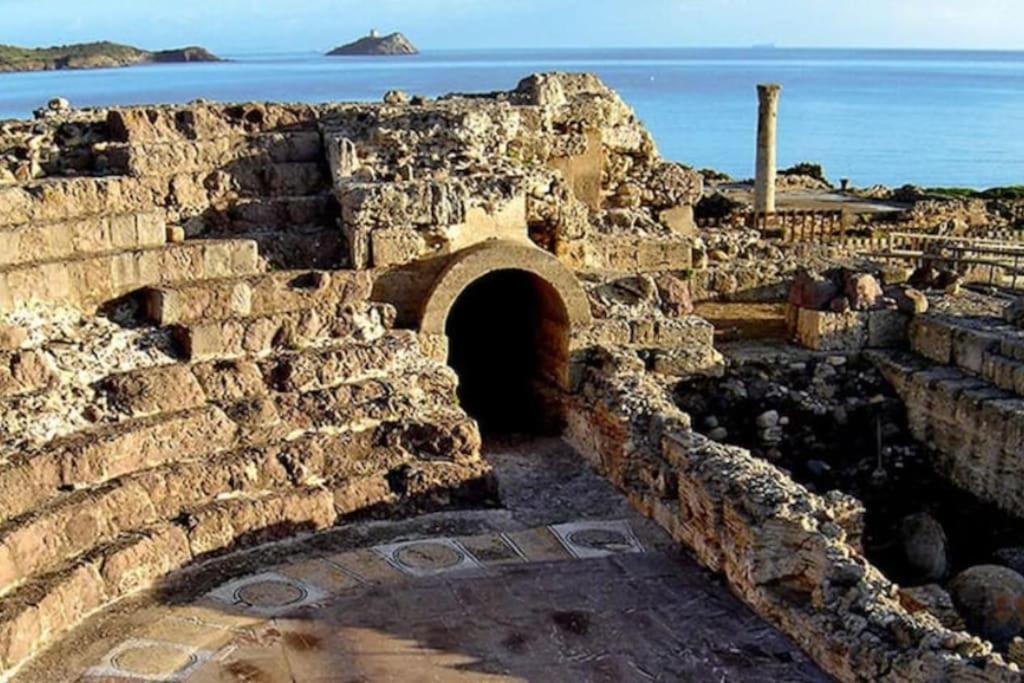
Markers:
point(765, 47)
point(580, 48)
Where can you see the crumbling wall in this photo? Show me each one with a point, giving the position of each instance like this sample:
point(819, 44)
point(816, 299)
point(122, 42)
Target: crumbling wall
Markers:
point(57, 143)
point(784, 550)
point(560, 161)
point(248, 170)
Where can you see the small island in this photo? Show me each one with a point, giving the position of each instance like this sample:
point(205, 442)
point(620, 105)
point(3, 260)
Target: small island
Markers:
point(375, 45)
point(98, 55)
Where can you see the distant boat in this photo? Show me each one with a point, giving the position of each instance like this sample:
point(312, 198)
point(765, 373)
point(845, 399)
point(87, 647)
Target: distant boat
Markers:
point(763, 46)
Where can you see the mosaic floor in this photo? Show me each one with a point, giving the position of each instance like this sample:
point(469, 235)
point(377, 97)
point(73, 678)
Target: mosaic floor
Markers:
point(583, 601)
point(509, 594)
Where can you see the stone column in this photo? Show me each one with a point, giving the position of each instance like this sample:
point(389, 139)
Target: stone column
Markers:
point(767, 117)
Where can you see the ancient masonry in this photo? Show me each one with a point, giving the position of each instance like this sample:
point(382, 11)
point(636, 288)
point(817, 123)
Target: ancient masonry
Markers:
point(225, 325)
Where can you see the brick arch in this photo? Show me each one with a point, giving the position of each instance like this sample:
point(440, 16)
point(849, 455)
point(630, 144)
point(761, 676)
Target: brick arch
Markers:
point(498, 255)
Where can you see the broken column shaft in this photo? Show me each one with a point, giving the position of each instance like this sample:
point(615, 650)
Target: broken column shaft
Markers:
point(767, 118)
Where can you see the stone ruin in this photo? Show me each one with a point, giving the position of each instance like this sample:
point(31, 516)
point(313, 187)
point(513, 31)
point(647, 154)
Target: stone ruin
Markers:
point(228, 325)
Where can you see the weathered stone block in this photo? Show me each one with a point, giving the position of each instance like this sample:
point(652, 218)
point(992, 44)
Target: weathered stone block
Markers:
point(887, 328)
point(23, 372)
point(970, 347)
point(341, 156)
point(127, 447)
point(827, 331)
point(144, 559)
point(157, 390)
point(931, 338)
point(220, 525)
point(392, 247)
point(200, 300)
point(286, 291)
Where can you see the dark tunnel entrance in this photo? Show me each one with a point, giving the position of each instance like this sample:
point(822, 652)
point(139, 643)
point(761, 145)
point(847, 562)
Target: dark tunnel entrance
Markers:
point(508, 336)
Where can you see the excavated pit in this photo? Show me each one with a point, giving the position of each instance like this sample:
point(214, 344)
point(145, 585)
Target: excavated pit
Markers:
point(833, 423)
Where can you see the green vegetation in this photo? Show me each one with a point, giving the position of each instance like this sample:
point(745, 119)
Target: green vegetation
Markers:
point(806, 168)
point(91, 56)
point(711, 175)
point(11, 55)
point(1011, 192)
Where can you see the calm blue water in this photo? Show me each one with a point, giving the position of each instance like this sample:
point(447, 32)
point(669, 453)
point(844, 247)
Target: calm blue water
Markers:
point(928, 117)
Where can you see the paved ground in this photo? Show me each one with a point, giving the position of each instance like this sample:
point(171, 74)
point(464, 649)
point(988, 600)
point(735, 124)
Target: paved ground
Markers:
point(813, 200)
point(566, 584)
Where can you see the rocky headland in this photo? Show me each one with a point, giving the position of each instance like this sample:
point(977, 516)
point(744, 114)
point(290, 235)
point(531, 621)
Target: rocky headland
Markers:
point(101, 55)
point(374, 45)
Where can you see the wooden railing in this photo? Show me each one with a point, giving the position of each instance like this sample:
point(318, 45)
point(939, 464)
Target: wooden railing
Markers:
point(812, 225)
point(1002, 259)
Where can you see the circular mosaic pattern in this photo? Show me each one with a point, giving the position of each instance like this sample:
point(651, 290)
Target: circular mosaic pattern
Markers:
point(270, 594)
point(601, 539)
point(428, 556)
point(153, 660)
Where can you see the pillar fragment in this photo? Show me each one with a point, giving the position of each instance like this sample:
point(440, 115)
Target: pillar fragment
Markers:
point(767, 117)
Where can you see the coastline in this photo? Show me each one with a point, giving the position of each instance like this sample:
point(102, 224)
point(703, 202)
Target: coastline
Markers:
point(839, 110)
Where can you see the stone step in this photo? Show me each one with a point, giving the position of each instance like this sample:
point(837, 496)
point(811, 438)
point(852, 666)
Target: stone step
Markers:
point(42, 610)
point(208, 122)
point(306, 397)
point(284, 179)
point(90, 458)
point(261, 335)
point(270, 194)
point(52, 200)
point(181, 386)
point(287, 179)
point(75, 522)
point(280, 213)
point(984, 347)
point(194, 156)
point(361, 404)
point(298, 246)
point(360, 468)
point(976, 428)
point(40, 242)
point(277, 292)
point(91, 280)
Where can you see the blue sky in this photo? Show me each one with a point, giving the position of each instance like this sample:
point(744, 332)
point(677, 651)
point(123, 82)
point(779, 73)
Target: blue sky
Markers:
point(276, 25)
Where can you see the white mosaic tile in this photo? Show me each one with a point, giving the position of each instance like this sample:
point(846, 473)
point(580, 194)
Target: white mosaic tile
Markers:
point(597, 538)
point(268, 594)
point(428, 557)
point(150, 660)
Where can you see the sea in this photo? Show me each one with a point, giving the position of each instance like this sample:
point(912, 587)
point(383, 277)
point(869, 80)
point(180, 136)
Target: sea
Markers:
point(931, 118)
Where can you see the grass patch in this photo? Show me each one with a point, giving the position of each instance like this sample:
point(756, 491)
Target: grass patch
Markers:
point(1011, 192)
point(13, 55)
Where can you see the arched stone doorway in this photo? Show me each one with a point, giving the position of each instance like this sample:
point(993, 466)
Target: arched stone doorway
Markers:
point(508, 311)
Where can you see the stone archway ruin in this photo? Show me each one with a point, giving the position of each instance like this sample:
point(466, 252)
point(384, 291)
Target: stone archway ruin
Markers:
point(507, 312)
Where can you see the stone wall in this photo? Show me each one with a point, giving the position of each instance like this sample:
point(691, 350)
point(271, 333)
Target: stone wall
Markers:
point(962, 383)
point(55, 144)
point(785, 551)
point(560, 161)
point(847, 331)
